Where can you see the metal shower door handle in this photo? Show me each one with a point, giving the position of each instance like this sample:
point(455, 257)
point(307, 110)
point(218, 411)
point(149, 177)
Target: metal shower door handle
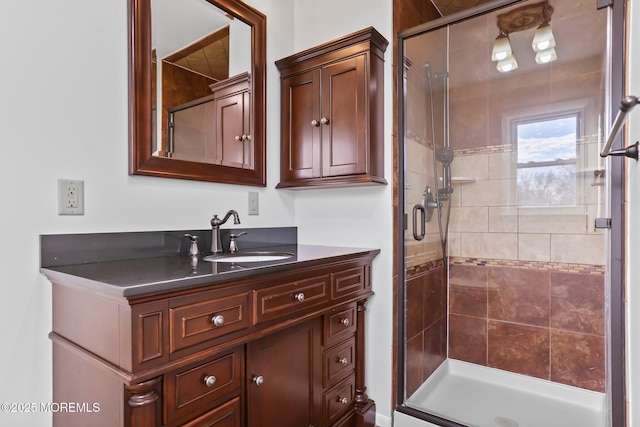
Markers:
point(416, 209)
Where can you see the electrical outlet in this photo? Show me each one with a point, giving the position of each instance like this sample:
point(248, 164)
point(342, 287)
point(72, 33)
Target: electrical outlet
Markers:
point(254, 203)
point(70, 197)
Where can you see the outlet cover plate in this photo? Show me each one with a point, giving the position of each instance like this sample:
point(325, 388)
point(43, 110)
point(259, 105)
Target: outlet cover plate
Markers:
point(70, 197)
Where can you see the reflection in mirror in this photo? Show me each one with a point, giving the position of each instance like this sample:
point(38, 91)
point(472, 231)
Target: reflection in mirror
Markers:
point(194, 46)
point(205, 85)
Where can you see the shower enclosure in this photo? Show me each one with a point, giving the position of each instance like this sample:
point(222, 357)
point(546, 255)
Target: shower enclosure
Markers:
point(509, 312)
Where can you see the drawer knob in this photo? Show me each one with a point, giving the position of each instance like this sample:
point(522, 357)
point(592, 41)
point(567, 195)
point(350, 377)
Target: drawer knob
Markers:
point(345, 322)
point(299, 296)
point(343, 360)
point(217, 320)
point(210, 380)
point(258, 380)
point(343, 401)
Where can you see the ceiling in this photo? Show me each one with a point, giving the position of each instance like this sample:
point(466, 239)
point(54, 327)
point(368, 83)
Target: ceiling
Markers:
point(448, 7)
point(208, 56)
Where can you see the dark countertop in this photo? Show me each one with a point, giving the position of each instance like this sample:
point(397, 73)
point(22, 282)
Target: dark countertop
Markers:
point(131, 278)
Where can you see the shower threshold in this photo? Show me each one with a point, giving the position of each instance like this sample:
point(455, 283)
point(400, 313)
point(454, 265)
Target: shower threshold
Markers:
point(478, 396)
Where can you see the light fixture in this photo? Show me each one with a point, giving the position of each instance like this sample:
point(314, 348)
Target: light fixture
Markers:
point(543, 38)
point(501, 48)
point(507, 65)
point(548, 55)
point(523, 18)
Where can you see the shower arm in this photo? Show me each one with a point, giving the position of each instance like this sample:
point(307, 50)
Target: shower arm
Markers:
point(631, 151)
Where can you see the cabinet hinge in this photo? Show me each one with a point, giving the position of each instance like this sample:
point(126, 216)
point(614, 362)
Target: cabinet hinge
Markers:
point(603, 222)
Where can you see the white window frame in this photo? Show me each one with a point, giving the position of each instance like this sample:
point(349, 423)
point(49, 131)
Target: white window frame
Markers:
point(576, 108)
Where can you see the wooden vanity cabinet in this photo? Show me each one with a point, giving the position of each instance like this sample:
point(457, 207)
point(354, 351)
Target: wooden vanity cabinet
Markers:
point(283, 349)
point(332, 118)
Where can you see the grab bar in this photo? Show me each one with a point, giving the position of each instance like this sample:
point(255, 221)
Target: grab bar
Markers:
point(631, 151)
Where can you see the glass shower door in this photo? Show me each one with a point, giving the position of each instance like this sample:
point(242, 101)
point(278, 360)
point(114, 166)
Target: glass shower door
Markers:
point(505, 279)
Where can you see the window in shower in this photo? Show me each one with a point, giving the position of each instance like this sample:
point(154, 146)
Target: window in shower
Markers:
point(547, 156)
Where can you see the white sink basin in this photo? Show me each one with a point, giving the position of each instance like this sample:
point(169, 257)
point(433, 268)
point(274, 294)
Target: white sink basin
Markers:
point(249, 257)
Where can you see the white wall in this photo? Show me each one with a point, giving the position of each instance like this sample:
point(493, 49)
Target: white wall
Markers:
point(633, 228)
point(358, 216)
point(63, 114)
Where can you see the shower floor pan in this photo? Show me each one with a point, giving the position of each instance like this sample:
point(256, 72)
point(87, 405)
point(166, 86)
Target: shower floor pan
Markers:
point(478, 396)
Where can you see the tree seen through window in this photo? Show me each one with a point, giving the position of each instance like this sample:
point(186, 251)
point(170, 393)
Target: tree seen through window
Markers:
point(547, 161)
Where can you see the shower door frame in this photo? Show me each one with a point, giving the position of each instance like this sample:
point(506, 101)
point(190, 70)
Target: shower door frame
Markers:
point(615, 168)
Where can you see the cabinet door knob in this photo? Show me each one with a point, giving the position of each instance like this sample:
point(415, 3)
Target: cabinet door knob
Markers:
point(314, 123)
point(238, 138)
point(258, 380)
point(299, 296)
point(324, 120)
point(210, 380)
point(343, 400)
point(345, 322)
point(217, 320)
point(343, 360)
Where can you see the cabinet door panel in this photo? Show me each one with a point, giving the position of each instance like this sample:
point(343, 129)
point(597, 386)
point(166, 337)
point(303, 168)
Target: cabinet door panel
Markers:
point(229, 131)
point(301, 139)
point(344, 136)
point(289, 363)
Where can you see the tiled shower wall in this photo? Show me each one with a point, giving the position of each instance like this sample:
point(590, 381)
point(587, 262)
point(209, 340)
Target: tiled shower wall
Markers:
point(536, 319)
point(426, 323)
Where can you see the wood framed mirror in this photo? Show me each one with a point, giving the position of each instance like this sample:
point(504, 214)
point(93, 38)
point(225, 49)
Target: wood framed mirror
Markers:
point(152, 146)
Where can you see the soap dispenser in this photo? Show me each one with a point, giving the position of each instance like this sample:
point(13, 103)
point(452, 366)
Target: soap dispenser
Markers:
point(193, 251)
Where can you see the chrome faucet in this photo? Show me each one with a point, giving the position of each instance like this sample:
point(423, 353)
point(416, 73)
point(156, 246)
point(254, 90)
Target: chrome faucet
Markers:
point(216, 242)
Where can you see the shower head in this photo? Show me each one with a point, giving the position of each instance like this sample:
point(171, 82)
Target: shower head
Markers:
point(440, 75)
point(445, 155)
point(427, 69)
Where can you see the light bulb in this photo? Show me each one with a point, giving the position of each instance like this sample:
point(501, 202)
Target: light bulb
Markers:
point(501, 48)
point(546, 56)
point(543, 39)
point(507, 65)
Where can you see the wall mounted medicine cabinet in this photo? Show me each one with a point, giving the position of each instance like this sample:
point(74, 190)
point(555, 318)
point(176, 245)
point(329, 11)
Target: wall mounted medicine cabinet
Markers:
point(332, 113)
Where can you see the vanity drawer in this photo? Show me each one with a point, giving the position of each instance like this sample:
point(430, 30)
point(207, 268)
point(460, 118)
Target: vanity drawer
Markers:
point(338, 400)
point(338, 362)
point(340, 325)
point(227, 415)
point(281, 300)
point(198, 387)
point(204, 320)
point(349, 281)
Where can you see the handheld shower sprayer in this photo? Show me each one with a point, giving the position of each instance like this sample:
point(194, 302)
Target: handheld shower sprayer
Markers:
point(445, 156)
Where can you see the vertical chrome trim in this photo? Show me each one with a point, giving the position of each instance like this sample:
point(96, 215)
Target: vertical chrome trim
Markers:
point(617, 253)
